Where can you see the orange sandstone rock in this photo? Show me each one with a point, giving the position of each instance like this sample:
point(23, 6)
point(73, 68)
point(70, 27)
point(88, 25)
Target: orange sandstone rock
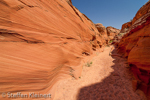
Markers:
point(41, 43)
point(103, 31)
point(125, 27)
point(112, 32)
point(135, 45)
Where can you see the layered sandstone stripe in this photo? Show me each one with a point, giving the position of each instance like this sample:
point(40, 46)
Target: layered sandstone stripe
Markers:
point(41, 43)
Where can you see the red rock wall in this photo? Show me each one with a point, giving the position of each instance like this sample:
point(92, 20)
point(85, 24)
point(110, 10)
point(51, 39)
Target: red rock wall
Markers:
point(112, 32)
point(103, 31)
point(136, 46)
point(41, 43)
point(125, 27)
point(108, 33)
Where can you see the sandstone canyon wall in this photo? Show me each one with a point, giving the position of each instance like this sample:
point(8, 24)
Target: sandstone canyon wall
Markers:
point(112, 32)
point(109, 33)
point(42, 42)
point(135, 45)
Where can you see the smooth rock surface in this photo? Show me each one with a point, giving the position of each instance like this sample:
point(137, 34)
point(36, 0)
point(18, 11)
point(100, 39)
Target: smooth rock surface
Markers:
point(41, 43)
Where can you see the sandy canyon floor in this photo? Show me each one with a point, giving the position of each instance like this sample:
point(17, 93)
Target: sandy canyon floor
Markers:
point(108, 78)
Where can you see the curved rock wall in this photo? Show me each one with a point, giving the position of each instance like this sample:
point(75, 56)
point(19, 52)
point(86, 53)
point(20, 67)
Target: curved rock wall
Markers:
point(135, 45)
point(42, 42)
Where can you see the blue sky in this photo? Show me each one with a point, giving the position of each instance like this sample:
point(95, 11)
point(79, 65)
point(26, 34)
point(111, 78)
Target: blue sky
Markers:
point(109, 12)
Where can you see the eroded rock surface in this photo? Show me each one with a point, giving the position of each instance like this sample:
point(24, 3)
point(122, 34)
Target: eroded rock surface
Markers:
point(125, 27)
point(136, 46)
point(112, 32)
point(103, 31)
point(108, 33)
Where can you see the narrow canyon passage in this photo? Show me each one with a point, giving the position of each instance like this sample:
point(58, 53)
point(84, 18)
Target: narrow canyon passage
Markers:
point(108, 78)
point(46, 44)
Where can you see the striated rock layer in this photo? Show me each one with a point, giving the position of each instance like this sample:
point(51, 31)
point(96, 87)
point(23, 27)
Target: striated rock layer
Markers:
point(42, 42)
point(136, 46)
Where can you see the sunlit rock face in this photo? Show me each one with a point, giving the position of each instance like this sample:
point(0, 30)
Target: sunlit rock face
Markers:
point(108, 33)
point(41, 43)
point(136, 46)
point(125, 27)
point(112, 32)
point(102, 30)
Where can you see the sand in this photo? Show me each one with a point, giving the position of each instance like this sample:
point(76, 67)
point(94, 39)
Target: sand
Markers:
point(108, 78)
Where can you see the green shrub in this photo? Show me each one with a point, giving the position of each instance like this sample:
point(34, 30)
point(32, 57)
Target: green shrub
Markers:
point(89, 64)
point(110, 41)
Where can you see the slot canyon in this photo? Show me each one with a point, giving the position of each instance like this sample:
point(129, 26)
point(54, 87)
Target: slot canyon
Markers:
point(49, 50)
